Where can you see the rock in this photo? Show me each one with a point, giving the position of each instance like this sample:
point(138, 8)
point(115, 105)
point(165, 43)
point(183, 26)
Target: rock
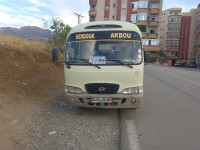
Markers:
point(52, 133)
point(14, 122)
point(16, 64)
point(24, 83)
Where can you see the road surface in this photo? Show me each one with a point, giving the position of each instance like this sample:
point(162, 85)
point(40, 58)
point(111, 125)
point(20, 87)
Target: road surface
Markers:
point(170, 117)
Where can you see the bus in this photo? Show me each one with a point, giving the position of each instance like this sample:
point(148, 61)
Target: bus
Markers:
point(104, 65)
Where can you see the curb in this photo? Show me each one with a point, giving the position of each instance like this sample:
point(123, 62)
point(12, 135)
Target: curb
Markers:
point(128, 136)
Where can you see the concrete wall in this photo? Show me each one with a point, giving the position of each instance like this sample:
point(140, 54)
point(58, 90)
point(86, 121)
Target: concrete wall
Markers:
point(113, 10)
point(100, 10)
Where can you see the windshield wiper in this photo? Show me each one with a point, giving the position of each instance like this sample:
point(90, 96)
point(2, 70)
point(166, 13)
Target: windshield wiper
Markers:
point(120, 62)
point(85, 60)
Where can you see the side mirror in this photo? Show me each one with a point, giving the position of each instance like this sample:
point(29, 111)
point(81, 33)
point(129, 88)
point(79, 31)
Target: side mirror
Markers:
point(146, 57)
point(55, 54)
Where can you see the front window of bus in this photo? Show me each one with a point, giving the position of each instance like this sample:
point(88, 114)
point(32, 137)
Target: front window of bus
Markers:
point(104, 52)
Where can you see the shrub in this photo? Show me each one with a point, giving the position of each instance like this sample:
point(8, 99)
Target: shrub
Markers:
point(153, 59)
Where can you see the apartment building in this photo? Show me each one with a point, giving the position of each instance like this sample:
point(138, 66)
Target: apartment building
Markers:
point(180, 34)
point(197, 36)
point(190, 52)
point(144, 13)
point(170, 32)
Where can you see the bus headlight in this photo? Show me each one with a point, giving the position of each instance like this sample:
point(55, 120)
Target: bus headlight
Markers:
point(71, 89)
point(133, 90)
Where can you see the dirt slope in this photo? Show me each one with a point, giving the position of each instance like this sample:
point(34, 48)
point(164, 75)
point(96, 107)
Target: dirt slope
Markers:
point(26, 79)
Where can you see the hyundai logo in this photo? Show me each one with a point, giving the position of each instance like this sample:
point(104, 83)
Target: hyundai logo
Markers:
point(101, 89)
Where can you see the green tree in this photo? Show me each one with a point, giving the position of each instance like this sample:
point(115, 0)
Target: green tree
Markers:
point(60, 31)
point(161, 53)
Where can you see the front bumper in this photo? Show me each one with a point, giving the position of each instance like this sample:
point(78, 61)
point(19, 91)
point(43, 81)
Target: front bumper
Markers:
point(119, 100)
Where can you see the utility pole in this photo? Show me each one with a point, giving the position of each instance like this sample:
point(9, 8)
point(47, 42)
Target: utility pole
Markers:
point(79, 17)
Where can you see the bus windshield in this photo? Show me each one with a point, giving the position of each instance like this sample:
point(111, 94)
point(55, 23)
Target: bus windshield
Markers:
point(104, 52)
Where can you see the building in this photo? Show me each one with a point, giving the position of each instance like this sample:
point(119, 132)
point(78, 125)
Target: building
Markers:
point(180, 35)
point(189, 52)
point(170, 32)
point(144, 13)
point(197, 36)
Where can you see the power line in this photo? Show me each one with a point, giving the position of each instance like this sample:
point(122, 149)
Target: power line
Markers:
point(79, 17)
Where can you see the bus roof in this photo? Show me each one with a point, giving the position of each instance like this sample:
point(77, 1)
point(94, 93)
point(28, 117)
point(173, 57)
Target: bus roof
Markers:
point(101, 26)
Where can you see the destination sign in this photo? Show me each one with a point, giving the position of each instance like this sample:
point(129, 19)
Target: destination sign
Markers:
point(104, 35)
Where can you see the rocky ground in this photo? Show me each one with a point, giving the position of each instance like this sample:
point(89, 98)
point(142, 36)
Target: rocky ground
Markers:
point(33, 112)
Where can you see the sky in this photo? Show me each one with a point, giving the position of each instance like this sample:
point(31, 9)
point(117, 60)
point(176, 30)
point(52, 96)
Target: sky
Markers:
point(18, 13)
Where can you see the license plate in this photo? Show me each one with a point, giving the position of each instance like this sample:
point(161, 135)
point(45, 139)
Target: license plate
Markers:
point(101, 100)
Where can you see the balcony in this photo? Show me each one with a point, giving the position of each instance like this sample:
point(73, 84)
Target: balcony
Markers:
point(144, 35)
point(93, 2)
point(173, 49)
point(151, 48)
point(152, 36)
point(92, 13)
point(175, 16)
point(142, 10)
point(173, 32)
point(172, 41)
point(154, 11)
point(141, 23)
point(196, 49)
point(174, 25)
point(153, 23)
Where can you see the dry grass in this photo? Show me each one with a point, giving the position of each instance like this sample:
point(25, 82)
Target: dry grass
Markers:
point(10, 42)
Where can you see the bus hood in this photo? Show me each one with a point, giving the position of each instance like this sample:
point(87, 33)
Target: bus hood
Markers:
point(126, 77)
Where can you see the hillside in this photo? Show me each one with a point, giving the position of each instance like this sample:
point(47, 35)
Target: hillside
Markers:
point(30, 32)
point(28, 77)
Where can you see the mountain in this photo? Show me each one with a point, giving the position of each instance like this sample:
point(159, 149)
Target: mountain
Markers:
point(30, 32)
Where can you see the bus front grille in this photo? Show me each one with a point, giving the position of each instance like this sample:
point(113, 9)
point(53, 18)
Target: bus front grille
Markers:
point(102, 88)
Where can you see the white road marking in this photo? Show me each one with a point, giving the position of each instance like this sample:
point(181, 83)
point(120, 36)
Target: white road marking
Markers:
point(132, 135)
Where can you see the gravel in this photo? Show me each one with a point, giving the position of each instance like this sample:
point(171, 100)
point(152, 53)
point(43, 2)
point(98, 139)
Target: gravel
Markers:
point(57, 126)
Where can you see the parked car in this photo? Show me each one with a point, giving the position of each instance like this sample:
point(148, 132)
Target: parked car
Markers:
point(191, 65)
point(180, 64)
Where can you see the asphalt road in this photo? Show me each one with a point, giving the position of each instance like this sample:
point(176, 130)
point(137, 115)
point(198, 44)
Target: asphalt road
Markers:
point(170, 116)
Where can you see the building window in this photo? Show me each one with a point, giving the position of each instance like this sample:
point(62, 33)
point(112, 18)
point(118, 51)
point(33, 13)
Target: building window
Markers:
point(152, 18)
point(134, 6)
point(152, 31)
point(174, 20)
point(154, 5)
point(173, 37)
point(93, 18)
point(113, 5)
point(107, 7)
point(143, 4)
point(93, 7)
point(172, 45)
point(133, 18)
point(123, 18)
point(174, 29)
point(140, 4)
point(124, 6)
point(151, 42)
point(142, 17)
